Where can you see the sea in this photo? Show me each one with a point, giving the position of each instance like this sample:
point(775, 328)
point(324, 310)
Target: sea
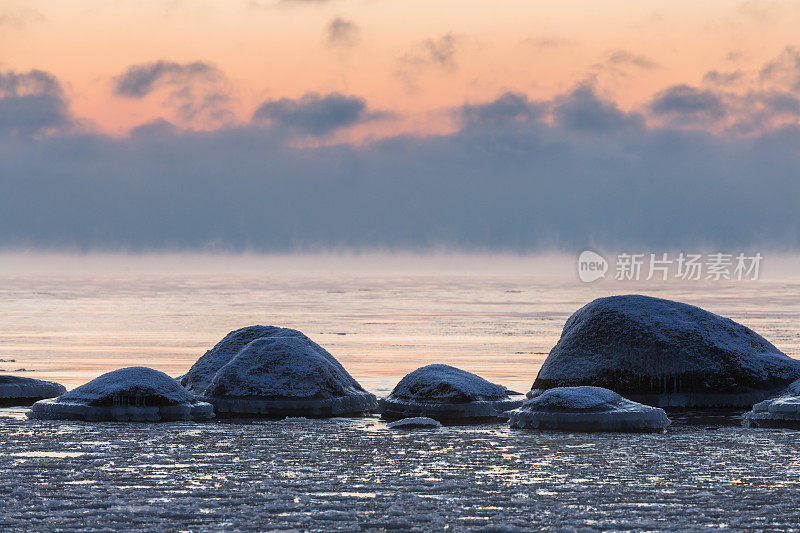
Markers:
point(70, 317)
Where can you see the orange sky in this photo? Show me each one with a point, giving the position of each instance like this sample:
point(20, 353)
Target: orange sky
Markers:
point(278, 48)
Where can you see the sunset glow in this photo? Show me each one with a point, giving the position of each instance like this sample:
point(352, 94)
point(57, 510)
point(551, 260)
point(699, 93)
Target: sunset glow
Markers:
point(408, 58)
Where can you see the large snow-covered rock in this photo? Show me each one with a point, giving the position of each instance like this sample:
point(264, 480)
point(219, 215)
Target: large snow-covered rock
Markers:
point(280, 373)
point(587, 409)
point(781, 411)
point(136, 394)
point(17, 390)
point(199, 377)
point(446, 393)
point(665, 353)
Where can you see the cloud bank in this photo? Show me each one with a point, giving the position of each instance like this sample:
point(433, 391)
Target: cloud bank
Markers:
point(516, 174)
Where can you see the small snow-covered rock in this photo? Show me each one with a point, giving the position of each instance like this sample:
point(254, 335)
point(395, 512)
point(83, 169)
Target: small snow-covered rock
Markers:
point(136, 394)
point(587, 409)
point(781, 411)
point(414, 423)
point(278, 376)
point(665, 353)
point(16, 390)
point(446, 393)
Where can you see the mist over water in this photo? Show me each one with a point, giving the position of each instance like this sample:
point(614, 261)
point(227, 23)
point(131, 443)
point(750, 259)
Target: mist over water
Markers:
point(72, 317)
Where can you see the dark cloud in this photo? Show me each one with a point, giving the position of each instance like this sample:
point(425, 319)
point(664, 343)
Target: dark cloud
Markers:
point(715, 77)
point(688, 103)
point(154, 129)
point(138, 81)
point(30, 103)
point(14, 83)
point(582, 110)
point(507, 107)
point(625, 58)
point(313, 114)
point(196, 90)
point(342, 33)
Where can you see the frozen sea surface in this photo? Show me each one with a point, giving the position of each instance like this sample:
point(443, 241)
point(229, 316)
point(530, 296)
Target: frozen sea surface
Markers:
point(72, 319)
point(354, 474)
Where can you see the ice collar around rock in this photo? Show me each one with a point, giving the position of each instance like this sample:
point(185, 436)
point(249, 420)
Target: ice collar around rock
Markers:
point(127, 394)
point(662, 352)
point(447, 394)
point(586, 409)
point(136, 381)
point(781, 411)
point(416, 422)
point(445, 383)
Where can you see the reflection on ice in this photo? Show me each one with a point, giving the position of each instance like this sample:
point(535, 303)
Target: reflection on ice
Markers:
point(54, 455)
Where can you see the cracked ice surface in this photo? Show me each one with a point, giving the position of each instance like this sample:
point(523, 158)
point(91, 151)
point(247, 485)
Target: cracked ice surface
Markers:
point(350, 474)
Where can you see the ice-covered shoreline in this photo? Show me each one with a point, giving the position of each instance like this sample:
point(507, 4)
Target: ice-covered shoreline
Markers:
point(354, 474)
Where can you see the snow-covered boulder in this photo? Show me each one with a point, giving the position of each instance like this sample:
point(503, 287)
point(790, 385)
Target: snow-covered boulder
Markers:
point(781, 411)
point(137, 394)
point(446, 393)
point(416, 422)
point(16, 390)
point(279, 376)
point(199, 377)
point(665, 353)
point(587, 409)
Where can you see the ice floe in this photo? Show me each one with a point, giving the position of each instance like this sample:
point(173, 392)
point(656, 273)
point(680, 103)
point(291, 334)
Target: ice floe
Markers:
point(17, 390)
point(781, 411)
point(446, 393)
point(278, 375)
point(586, 409)
point(414, 422)
point(665, 353)
point(136, 394)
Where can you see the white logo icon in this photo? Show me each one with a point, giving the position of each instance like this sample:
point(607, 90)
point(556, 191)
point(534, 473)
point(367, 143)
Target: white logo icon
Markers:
point(591, 266)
